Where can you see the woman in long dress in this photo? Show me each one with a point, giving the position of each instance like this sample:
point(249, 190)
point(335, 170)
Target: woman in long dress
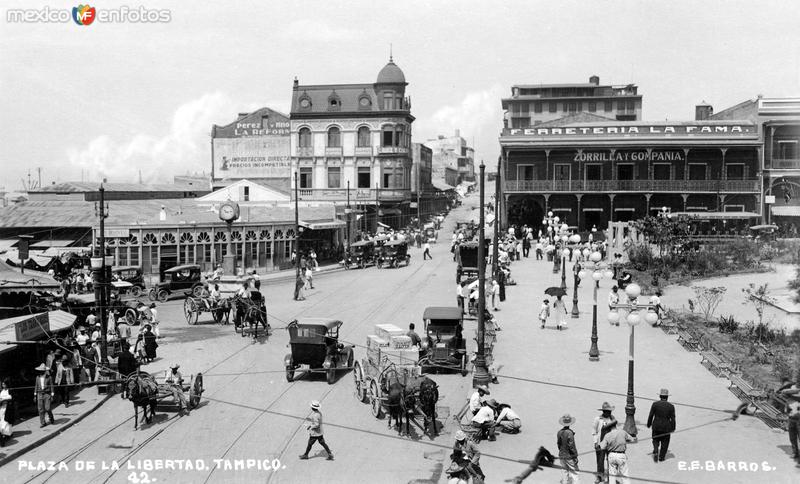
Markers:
point(560, 313)
point(6, 414)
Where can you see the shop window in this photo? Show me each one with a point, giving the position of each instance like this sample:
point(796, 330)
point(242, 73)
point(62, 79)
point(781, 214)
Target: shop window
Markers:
point(334, 177)
point(364, 177)
point(304, 138)
point(787, 150)
point(363, 137)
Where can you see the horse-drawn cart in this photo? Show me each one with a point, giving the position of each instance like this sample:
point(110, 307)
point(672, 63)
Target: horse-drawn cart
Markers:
point(193, 307)
point(390, 380)
point(144, 390)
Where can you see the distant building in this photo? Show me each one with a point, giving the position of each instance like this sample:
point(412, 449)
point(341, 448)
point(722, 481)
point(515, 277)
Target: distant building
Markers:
point(432, 200)
point(255, 146)
point(452, 152)
point(353, 142)
point(115, 191)
point(532, 104)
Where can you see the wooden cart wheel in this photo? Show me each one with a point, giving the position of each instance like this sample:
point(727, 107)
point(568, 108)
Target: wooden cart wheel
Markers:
point(375, 399)
point(197, 291)
point(196, 391)
point(361, 388)
point(191, 311)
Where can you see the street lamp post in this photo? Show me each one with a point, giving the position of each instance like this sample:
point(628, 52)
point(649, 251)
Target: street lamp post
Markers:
point(549, 222)
point(598, 270)
point(633, 291)
point(481, 373)
point(101, 268)
point(574, 243)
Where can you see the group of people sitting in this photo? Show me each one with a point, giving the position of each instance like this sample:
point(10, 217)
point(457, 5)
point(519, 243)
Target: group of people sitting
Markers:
point(488, 415)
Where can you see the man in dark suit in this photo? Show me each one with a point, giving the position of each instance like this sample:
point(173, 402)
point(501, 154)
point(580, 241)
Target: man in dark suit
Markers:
point(662, 421)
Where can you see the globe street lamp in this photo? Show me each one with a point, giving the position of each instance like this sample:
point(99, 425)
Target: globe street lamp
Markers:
point(633, 291)
point(598, 270)
point(569, 243)
point(550, 222)
point(559, 239)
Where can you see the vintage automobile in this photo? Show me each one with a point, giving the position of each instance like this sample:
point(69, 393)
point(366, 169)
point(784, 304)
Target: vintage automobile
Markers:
point(186, 279)
point(443, 345)
point(361, 254)
point(132, 275)
point(315, 343)
point(467, 259)
point(393, 253)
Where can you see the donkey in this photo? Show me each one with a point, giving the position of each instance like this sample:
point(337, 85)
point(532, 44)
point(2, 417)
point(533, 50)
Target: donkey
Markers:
point(142, 391)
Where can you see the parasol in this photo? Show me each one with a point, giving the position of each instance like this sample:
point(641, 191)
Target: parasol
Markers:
point(555, 291)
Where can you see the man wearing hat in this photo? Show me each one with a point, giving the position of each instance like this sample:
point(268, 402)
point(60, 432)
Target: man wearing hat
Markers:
point(567, 452)
point(484, 419)
point(470, 450)
point(508, 420)
point(175, 380)
point(616, 443)
point(662, 420)
point(43, 394)
point(315, 432)
point(477, 399)
point(600, 427)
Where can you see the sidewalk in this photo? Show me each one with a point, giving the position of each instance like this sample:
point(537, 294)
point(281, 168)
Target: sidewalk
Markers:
point(28, 434)
point(289, 274)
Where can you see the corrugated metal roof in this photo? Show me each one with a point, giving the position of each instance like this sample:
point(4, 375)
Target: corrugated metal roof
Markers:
point(81, 187)
point(58, 321)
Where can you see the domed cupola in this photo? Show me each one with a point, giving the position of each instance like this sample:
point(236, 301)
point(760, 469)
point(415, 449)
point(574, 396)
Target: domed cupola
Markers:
point(391, 74)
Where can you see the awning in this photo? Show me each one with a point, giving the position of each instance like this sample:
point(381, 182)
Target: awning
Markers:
point(717, 215)
point(33, 327)
point(786, 211)
point(11, 280)
point(390, 211)
point(442, 186)
point(43, 244)
point(321, 225)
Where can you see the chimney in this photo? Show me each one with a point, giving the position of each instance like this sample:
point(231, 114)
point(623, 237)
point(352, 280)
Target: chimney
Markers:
point(295, 84)
point(703, 111)
point(594, 80)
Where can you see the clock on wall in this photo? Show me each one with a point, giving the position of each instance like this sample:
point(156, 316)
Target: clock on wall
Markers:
point(229, 211)
point(305, 103)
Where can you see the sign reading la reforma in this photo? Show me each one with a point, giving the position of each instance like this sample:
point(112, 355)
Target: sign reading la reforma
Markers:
point(716, 129)
point(254, 146)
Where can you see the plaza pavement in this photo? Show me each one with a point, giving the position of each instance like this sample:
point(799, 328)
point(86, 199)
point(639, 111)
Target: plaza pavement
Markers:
point(559, 358)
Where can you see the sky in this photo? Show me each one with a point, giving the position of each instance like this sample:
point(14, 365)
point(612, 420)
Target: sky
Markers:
point(116, 99)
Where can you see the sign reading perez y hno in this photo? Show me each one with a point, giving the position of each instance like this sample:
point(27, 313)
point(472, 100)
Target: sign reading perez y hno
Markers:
point(254, 146)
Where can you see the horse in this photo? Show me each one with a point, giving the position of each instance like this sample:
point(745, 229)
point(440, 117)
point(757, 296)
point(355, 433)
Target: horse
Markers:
point(142, 389)
point(428, 396)
point(394, 402)
point(221, 311)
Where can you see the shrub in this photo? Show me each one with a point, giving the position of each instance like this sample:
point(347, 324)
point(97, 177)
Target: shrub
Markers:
point(640, 256)
point(728, 324)
point(767, 252)
point(708, 298)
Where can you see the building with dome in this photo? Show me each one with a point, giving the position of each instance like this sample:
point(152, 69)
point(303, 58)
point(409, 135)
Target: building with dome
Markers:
point(351, 144)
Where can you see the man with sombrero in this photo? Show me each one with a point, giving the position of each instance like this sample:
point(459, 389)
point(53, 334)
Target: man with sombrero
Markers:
point(662, 420)
point(478, 398)
point(43, 394)
point(601, 426)
point(567, 452)
point(315, 432)
point(469, 451)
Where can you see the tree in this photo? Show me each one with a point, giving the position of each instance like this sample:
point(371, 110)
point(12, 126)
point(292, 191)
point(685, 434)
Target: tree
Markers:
point(664, 232)
point(759, 297)
point(707, 299)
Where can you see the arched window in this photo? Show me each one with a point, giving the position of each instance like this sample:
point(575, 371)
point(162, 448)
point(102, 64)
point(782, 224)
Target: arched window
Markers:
point(150, 239)
point(265, 235)
point(133, 240)
point(290, 234)
point(304, 138)
point(220, 237)
point(250, 235)
point(186, 238)
point(236, 236)
point(203, 238)
point(278, 234)
point(334, 137)
point(168, 238)
point(363, 136)
point(387, 136)
point(399, 137)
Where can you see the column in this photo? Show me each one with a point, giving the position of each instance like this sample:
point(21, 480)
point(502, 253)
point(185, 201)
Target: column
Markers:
point(647, 203)
point(578, 215)
point(613, 169)
point(685, 197)
point(724, 174)
point(611, 207)
point(686, 163)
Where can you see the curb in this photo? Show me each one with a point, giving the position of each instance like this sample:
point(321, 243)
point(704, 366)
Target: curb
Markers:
point(13, 456)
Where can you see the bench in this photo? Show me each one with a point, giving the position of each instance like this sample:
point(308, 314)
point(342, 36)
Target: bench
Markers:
point(669, 326)
point(744, 390)
point(715, 364)
point(687, 340)
point(771, 415)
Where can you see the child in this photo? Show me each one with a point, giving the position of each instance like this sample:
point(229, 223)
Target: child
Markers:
point(544, 312)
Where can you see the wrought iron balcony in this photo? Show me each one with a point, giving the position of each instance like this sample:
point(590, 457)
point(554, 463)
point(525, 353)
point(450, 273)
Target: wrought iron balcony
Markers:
point(785, 163)
point(392, 150)
point(363, 151)
point(671, 186)
point(333, 151)
point(305, 151)
point(356, 194)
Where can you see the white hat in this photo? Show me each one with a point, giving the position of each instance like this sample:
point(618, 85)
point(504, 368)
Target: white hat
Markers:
point(315, 404)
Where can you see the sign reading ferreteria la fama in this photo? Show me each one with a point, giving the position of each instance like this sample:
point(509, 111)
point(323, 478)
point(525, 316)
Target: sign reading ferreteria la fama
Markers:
point(254, 146)
point(666, 130)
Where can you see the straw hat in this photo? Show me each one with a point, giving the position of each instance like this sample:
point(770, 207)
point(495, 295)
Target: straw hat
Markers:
point(663, 393)
point(315, 404)
point(566, 420)
point(460, 435)
point(484, 389)
point(41, 367)
point(607, 406)
point(492, 403)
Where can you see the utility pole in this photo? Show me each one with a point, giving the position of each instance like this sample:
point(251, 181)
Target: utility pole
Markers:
point(101, 276)
point(481, 373)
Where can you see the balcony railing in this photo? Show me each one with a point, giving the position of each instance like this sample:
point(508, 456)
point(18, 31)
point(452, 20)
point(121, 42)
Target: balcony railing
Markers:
point(785, 163)
point(382, 150)
point(709, 186)
point(356, 194)
point(333, 151)
point(305, 151)
point(363, 150)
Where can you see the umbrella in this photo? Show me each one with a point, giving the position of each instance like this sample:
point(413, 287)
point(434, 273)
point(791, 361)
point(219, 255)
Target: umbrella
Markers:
point(555, 291)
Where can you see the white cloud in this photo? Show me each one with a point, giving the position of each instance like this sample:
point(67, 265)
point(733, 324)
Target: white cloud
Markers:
point(478, 116)
point(186, 147)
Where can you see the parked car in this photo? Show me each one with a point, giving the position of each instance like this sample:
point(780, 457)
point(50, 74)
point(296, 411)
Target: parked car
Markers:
point(185, 279)
point(132, 275)
point(315, 343)
point(443, 345)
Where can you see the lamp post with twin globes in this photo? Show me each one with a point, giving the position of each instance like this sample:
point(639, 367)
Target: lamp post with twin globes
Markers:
point(633, 291)
point(599, 270)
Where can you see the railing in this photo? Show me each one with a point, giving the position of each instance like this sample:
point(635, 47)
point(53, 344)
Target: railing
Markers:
point(363, 150)
point(305, 151)
point(333, 151)
point(709, 186)
point(786, 163)
point(356, 194)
